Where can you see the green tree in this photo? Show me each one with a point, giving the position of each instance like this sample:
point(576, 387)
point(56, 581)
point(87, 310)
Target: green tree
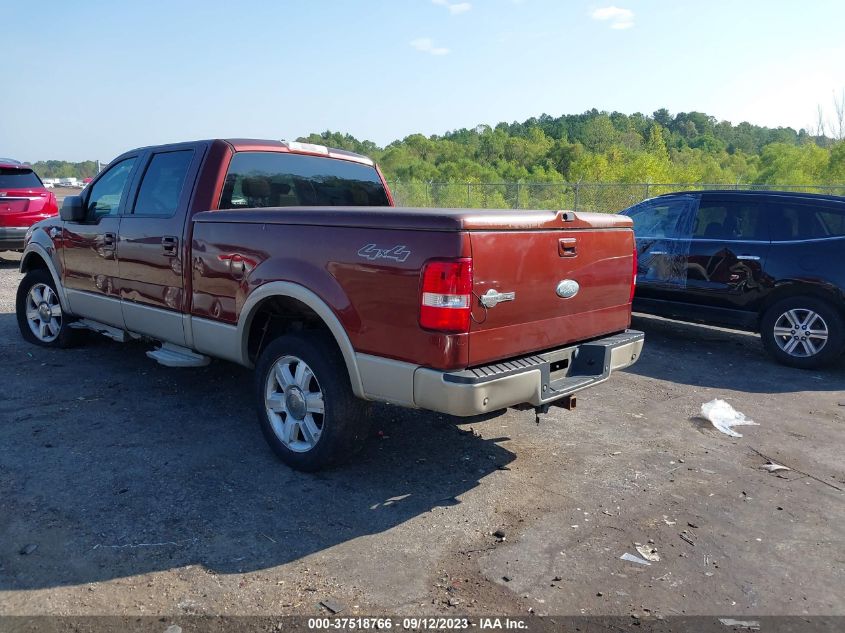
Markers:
point(782, 164)
point(835, 172)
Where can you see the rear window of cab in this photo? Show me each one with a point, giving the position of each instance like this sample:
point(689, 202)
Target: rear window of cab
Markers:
point(276, 179)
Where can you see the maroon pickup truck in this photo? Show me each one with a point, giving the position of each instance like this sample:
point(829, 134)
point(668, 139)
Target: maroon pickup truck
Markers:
point(291, 258)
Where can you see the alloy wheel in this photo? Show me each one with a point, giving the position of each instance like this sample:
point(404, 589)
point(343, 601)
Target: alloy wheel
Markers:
point(801, 332)
point(294, 403)
point(43, 313)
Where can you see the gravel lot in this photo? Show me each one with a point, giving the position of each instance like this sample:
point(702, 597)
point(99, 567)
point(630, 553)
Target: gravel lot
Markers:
point(149, 490)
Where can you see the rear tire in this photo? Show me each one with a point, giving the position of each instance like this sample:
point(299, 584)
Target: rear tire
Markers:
point(39, 312)
point(803, 332)
point(306, 409)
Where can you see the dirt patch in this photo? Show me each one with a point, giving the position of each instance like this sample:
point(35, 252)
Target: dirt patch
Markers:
point(147, 490)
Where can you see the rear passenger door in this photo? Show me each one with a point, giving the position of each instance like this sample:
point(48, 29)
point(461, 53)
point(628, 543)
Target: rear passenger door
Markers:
point(151, 249)
point(727, 252)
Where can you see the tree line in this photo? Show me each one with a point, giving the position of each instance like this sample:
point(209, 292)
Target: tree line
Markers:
point(65, 169)
point(595, 146)
point(689, 147)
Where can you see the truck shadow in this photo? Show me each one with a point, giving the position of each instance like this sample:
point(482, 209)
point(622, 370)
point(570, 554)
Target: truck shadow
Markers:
point(703, 356)
point(114, 466)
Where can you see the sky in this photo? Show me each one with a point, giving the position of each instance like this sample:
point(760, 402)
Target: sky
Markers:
point(90, 79)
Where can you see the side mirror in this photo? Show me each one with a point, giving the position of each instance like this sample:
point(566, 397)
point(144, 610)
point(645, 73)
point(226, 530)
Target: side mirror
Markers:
point(73, 210)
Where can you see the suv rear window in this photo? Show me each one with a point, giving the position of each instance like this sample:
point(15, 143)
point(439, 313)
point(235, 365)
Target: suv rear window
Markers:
point(833, 221)
point(805, 222)
point(274, 179)
point(18, 179)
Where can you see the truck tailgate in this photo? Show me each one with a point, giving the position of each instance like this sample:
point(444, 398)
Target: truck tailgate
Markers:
point(595, 251)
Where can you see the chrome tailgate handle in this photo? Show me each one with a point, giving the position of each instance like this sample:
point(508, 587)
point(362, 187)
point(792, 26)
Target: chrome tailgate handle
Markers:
point(492, 298)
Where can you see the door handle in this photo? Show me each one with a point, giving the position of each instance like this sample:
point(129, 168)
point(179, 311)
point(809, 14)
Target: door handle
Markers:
point(752, 258)
point(106, 245)
point(170, 246)
point(567, 247)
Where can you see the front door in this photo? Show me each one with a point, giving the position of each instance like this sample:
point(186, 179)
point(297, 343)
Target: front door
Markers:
point(662, 229)
point(90, 268)
point(151, 249)
point(727, 252)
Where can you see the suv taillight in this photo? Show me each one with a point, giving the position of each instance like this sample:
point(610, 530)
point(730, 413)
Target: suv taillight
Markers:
point(446, 295)
point(634, 275)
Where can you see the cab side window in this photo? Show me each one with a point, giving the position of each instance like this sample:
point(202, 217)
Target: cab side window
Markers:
point(730, 221)
point(109, 190)
point(163, 182)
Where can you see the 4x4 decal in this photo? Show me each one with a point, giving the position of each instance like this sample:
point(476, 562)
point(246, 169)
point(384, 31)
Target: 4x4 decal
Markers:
point(372, 252)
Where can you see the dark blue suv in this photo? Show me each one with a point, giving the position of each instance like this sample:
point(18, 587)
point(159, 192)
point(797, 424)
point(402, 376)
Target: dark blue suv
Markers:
point(772, 262)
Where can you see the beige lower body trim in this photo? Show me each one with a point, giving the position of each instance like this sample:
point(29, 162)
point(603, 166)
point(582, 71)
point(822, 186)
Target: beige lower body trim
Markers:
point(387, 380)
point(220, 340)
point(161, 324)
point(95, 306)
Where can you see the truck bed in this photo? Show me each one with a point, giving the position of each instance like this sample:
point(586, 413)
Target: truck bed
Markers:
point(365, 262)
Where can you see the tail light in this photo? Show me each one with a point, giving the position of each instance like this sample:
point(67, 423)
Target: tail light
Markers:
point(446, 294)
point(633, 275)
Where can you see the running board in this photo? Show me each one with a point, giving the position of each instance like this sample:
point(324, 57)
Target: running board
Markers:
point(171, 355)
point(116, 334)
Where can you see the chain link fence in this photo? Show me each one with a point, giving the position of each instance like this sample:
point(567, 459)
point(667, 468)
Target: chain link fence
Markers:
point(577, 196)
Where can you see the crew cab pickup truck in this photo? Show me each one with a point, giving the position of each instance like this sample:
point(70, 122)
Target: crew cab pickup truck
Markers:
point(291, 258)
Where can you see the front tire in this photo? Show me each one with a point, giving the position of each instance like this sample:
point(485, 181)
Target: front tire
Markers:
point(39, 312)
point(306, 409)
point(803, 332)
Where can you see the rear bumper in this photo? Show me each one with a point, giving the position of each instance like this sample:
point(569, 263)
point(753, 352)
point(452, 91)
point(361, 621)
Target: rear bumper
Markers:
point(12, 237)
point(536, 380)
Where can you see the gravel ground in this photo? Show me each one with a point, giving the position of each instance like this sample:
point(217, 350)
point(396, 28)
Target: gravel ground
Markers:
point(147, 490)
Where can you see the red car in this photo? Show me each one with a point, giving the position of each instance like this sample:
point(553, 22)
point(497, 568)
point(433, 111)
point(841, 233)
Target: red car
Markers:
point(24, 200)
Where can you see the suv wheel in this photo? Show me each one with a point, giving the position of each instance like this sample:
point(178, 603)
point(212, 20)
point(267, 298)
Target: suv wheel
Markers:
point(306, 407)
point(803, 332)
point(39, 312)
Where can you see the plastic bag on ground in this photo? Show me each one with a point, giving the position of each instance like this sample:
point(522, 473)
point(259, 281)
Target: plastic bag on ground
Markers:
point(631, 558)
point(724, 417)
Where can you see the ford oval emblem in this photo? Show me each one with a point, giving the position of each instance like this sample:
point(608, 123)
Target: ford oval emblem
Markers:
point(567, 289)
